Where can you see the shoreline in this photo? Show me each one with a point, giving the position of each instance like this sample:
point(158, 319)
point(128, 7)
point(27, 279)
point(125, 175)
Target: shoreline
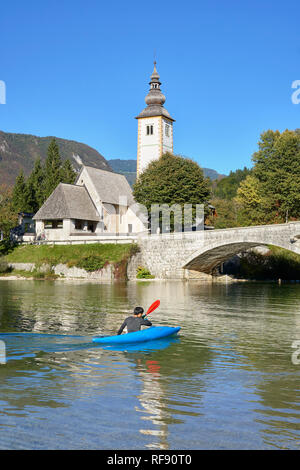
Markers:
point(104, 281)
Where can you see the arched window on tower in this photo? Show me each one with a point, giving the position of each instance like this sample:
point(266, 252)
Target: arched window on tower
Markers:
point(149, 129)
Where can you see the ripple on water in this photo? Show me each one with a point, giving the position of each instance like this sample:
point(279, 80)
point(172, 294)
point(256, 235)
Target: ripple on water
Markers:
point(227, 382)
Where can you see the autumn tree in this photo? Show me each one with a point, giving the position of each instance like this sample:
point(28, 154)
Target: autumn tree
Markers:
point(277, 168)
point(271, 193)
point(250, 202)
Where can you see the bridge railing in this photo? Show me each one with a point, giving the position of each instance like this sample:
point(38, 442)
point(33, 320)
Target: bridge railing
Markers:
point(206, 233)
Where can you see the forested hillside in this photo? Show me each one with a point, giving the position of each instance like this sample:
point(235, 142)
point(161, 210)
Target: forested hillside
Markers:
point(20, 151)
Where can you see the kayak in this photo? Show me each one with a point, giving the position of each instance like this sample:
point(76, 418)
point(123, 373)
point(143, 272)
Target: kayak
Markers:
point(149, 334)
point(142, 346)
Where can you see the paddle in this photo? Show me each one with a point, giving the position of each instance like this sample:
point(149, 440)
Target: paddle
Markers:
point(152, 307)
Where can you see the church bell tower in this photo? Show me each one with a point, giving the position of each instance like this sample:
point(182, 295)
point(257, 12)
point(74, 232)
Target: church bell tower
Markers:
point(155, 126)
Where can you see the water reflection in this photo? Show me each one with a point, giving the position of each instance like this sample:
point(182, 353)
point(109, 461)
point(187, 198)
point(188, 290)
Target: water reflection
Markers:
point(226, 382)
point(152, 400)
point(167, 389)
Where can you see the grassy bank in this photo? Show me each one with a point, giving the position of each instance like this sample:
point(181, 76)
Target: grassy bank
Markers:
point(37, 275)
point(91, 257)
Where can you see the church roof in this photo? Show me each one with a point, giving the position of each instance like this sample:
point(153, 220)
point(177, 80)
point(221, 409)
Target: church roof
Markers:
point(68, 201)
point(152, 111)
point(155, 99)
point(110, 186)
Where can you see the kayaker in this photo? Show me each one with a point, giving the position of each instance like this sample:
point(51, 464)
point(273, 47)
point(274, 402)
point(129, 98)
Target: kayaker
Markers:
point(135, 322)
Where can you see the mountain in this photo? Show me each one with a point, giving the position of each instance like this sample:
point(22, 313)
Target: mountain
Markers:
point(213, 174)
point(128, 168)
point(125, 167)
point(19, 151)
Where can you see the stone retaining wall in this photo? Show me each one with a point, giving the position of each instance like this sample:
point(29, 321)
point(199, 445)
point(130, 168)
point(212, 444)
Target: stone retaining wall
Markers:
point(104, 274)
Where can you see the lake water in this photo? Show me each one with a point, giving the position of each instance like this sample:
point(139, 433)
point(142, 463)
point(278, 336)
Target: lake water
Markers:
point(227, 382)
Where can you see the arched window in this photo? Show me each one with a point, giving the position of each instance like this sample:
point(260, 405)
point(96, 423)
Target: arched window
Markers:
point(149, 129)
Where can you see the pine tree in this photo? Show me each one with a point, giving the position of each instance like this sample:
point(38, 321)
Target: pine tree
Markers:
point(29, 195)
point(19, 190)
point(227, 187)
point(35, 186)
point(52, 169)
point(68, 175)
point(29, 198)
point(8, 215)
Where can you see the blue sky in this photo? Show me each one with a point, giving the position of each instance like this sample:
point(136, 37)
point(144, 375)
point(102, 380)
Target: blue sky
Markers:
point(80, 70)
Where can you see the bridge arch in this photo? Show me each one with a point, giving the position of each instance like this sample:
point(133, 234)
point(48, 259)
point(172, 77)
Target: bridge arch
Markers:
point(216, 251)
point(169, 256)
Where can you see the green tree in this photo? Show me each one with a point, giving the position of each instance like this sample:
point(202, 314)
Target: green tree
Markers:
point(19, 192)
point(29, 202)
point(52, 169)
point(172, 180)
point(224, 191)
point(277, 168)
point(225, 215)
point(37, 177)
point(8, 214)
point(68, 175)
point(227, 187)
point(29, 195)
point(34, 188)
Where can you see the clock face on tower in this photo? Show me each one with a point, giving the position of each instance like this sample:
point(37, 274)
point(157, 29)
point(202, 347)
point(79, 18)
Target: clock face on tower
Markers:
point(155, 126)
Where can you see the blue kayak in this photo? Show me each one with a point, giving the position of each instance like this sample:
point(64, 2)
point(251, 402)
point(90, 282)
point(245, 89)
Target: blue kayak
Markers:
point(149, 334)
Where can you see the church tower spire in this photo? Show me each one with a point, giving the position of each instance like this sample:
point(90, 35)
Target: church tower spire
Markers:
point(155, 126)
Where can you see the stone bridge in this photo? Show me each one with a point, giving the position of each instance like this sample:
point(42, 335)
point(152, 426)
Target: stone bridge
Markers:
point(174, 256)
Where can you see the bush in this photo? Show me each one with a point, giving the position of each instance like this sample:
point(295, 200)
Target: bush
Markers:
point(134, 249)
point(91, 263)
point(47, 275)
point(6, 246)
point(4, 268)
point(144, 273)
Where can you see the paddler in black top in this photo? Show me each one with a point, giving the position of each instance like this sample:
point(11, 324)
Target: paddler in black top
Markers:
point(135, 322)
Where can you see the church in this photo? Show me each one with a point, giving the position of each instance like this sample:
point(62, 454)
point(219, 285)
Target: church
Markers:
point(100, 203)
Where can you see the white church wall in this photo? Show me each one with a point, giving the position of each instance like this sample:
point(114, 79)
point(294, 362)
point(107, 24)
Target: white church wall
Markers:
point(134, 221)
point(84, 180)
